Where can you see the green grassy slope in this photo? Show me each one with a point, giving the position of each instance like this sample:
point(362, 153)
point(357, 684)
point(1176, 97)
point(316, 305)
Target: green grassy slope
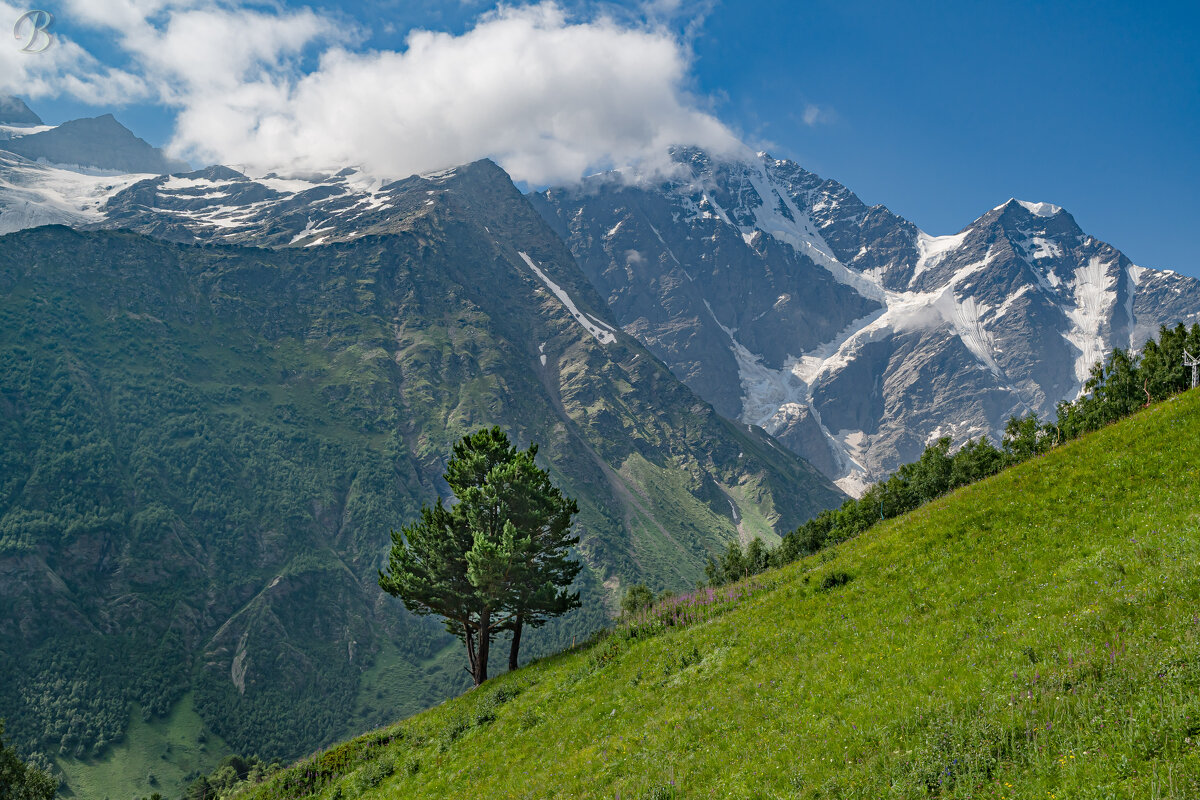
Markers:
point(154, 756)
point(1035, 635)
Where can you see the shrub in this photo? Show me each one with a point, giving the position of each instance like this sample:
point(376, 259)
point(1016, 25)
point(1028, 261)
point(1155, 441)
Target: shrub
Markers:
point(373, 774)
point(637, 597)
point(835, 579)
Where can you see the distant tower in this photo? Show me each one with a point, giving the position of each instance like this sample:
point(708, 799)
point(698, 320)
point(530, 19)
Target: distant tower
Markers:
point(1190, 360)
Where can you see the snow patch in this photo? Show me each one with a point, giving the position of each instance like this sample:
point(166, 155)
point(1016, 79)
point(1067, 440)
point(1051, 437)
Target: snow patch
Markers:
point(964, 316)
point(311, 229)
point(33, 194)
point(932, 250)
point(1039, 247)
point(175, 184)
point(1094, 297)
point(599, 331)
point(1040, 209)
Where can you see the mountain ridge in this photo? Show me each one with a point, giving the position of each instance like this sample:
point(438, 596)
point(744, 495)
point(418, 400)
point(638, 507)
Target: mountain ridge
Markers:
point(951, 334)
point(207, 446)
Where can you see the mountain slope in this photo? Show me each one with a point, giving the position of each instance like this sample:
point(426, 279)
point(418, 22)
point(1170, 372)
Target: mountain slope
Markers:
point(844, 330)
point(205, 447)
point(96, 143)
point(1033, 635)
point(13, 111)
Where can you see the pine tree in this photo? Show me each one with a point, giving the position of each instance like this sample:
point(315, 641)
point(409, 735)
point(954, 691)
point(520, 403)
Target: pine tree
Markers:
point(497, 560)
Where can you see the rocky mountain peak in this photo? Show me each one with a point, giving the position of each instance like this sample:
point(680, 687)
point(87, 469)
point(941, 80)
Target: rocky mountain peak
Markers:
point(13, 111)
point(851, 334)
point(95, 143)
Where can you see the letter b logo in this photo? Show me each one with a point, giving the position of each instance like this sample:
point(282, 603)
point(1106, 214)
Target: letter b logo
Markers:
point(37, 25)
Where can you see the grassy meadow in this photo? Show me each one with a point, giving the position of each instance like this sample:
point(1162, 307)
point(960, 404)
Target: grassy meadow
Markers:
point(1035, 635)
point(154, 756)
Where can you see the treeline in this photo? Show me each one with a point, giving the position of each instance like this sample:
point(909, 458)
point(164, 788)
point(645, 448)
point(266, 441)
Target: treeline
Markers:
point(232, 774)
point(1117, 387)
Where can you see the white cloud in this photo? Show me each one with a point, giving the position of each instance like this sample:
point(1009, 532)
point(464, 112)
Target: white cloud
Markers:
point(549, 98)
point(62, 68)
point(815, 115)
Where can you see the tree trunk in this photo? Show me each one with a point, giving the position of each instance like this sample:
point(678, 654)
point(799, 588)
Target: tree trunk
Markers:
point(516, 643)
point(485, 641)
point(470, 640)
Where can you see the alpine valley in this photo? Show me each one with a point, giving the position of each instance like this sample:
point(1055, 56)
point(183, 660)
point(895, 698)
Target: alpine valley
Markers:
point(205, 445)
point(220, 392)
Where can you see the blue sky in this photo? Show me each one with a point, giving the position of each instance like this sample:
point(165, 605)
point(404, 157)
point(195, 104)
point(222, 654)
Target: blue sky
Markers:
point(938, 110)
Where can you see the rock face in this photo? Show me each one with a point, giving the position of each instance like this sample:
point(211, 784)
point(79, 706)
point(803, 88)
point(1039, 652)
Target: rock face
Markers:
point(97, 143)
point(13, 111)
point(776, 295)
point(843, 329)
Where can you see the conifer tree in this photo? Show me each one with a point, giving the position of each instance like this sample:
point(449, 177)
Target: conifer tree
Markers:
point(497, 560)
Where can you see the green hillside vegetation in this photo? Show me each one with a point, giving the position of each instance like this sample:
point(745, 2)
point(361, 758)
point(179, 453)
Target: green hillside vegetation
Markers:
point(1116, 388)
point(153, 757)
point(202, 450)
point(1032, 635)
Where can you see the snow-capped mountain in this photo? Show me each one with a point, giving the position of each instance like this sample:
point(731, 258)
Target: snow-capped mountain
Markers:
point(66, 174)
point(846, 331)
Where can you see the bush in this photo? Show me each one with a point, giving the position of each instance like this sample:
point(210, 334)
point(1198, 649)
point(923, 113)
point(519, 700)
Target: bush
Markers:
point(373, 774)
point(835, 579)
point(637, 598)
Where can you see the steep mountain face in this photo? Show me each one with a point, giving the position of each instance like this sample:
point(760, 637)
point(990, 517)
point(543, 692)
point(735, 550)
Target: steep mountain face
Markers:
point(844, 330)
point(13, 111)
point(204, 449)
point(96, 143)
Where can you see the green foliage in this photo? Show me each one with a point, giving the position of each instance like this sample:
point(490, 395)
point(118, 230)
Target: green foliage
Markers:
point(21, 781)
point(1117, 387)
point(637, 597)
point(1124, 383)
point(834, 579)
point(205, 444)
point(496, 560)
point(736, 564)
point(232, 775)
point(989, 645)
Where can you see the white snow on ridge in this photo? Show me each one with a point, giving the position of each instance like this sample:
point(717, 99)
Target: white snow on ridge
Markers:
point(33, 194)
point(1037, 209)
point(1040, 209)
point(17, 131)
point(933, 249)
point(174, 183)
point(287, 185)
point(600, 332)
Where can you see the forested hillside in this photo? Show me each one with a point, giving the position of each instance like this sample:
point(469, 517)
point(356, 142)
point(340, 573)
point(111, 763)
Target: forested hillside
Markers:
point(204, 450)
